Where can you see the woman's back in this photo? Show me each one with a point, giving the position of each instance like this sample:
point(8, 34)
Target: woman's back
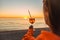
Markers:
point(45, 35)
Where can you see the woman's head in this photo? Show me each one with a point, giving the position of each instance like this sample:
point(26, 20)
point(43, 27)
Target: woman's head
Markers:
point(52, 14)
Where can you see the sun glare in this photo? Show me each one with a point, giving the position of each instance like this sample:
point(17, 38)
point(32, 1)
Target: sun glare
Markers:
point(25, 17)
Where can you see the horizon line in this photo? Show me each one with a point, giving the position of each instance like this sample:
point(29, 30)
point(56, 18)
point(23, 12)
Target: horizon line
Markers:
point(20, 17)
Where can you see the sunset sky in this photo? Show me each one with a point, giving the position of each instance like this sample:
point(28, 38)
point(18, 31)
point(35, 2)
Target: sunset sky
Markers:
point(19, 8)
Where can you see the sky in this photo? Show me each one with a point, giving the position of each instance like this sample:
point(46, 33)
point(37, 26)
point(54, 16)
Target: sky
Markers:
point(19, 8)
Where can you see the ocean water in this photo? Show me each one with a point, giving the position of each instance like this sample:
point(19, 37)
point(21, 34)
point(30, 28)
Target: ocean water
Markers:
point(20, 23)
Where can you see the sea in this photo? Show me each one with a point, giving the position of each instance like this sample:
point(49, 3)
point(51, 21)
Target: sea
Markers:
point(7, 24)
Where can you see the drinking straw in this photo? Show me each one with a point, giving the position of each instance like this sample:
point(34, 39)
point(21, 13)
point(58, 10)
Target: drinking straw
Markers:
point(29, 13)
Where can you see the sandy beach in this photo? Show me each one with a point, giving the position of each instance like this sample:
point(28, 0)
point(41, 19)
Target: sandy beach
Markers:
point(18, 34)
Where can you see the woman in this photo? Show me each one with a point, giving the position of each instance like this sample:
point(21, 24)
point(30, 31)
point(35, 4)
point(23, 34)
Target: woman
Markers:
point(52, 19)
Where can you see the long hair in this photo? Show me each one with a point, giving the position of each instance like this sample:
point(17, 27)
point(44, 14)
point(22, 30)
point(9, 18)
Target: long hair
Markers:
point(54, 14)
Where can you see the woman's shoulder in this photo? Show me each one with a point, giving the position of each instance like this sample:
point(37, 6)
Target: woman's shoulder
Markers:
point(45, 35)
